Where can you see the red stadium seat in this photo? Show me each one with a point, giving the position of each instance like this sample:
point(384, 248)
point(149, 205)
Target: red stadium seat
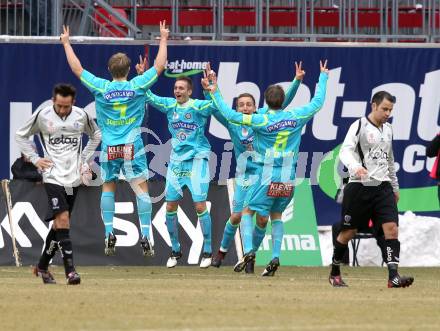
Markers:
point(149, 15)
point(106, 28)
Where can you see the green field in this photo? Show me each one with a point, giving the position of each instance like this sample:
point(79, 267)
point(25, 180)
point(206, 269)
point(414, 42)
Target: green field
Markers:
point(188, 298)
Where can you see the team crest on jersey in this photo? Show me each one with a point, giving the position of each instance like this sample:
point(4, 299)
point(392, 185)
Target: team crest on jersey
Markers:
point(181, 136)
point(370, 138)
point(347, 220)
point(55, 203)
point(76, 125)
point(188, 116)
point(175, 116)
point(244, 132)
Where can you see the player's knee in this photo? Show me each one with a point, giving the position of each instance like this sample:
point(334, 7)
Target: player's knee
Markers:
point(346, 235)
point(172, 206)
point(235, 218)
point(390, 230)
point(262, 221)
point(62, 220)
point(200, 207)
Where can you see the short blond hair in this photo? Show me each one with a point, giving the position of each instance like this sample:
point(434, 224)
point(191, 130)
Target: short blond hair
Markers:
point(119, 65)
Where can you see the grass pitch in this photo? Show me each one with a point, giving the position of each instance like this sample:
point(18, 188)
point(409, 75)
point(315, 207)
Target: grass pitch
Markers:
point(188, 298)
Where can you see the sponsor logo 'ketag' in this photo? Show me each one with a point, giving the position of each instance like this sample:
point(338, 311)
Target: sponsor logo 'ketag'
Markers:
point(125, 152)
point(63, 140)
point(281, 125)
point(280, 190)
point(119, 94)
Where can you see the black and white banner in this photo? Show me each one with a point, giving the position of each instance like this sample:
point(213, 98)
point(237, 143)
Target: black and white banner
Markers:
point(87, 230)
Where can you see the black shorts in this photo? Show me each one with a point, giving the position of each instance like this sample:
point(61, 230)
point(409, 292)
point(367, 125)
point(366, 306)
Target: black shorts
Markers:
point(58, 200)
point(362, 203)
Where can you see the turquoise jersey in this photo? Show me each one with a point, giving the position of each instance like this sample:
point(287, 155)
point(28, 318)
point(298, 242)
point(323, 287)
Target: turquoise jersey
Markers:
point(277, 134)
point(242, 136)
point(186, 124)
point(120, 105)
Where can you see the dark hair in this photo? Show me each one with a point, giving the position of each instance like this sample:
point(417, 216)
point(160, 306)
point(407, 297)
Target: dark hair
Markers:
point(119, 65)
point(379, 96)
point(274, 96)
point(246, 95)
point(188, 81)
point(64, 90)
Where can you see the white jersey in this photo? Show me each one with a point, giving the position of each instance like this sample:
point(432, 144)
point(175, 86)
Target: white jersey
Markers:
point(61, 139)
point(369, 146)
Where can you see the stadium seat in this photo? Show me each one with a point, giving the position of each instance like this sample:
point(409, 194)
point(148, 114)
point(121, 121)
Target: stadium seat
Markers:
point(106, 27)
point(355, 245)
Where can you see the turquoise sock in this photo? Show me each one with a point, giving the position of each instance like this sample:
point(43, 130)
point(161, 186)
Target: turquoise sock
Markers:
point(171, 222)
point(277, 237)
point(144, 212)
point(246, 232)
point(257, 237)
point(107, 210)
point(228, 235)
point(205, 223)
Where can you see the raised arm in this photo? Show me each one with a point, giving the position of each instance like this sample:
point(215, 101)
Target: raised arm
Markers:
point(206, 85)
point(306, 112)
point(228, 113)
point(72, 59)
point(293, 87)
point(162, 104)
point(161, 57)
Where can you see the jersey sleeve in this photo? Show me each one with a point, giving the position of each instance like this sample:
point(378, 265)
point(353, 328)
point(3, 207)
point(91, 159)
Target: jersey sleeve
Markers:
point(94, 133)
point(348, 153)
point(216, 113)
point(205, 107)
point(305, 113)
point(22, 135)
point(94, 84)
point(254, 120)
point(162, 104)
point(146, 80)
point(291, 92)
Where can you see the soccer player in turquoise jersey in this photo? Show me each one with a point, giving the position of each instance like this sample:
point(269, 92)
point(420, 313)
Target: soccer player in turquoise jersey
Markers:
point(120, 108)
point(242, 137)
point(187, 119)
point(277, 135)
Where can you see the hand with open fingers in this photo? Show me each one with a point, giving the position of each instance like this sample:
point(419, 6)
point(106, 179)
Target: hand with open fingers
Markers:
point(212, 77)
point(205, 83)
point(64, 37)
point(209, 79)
point(164, 31)
point(141, 66)
point(299, 72)
point(323, 66)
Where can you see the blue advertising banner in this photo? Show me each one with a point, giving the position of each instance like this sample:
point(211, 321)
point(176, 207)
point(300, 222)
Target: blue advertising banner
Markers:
point(411, 74)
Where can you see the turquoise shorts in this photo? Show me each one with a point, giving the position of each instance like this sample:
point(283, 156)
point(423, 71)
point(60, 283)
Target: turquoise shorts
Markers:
point(193, 174)
point(130, 158)
point(272, 197)
point(242, 187)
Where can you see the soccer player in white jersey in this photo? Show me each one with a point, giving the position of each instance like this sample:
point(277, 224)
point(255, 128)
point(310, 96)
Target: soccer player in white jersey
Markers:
point(64, 166)
point(373, 189)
